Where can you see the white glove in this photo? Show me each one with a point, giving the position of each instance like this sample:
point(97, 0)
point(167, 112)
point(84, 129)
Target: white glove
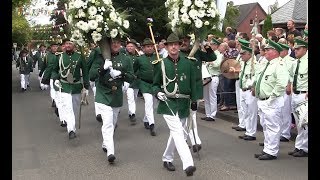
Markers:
point(39, 78)
point(161, 96)
point(58, 84)
point(107, 64)
point(125, 86)
point(114, 73)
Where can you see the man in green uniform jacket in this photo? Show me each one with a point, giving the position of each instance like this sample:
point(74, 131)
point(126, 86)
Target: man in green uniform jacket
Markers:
point(40, 58)
point(131, 89)
point(200, 57)
point(24, 63)
point(174, 84)
point(46, 70)
point(143, 69)
point(66, 73)
point(110, 75)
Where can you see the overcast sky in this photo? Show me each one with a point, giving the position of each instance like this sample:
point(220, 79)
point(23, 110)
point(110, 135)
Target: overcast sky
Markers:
point(263, 3)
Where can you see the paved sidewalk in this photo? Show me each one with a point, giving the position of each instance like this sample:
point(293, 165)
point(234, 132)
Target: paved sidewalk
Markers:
point(232, 116)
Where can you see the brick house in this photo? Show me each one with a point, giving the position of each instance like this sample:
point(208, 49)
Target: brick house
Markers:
point(245, 20)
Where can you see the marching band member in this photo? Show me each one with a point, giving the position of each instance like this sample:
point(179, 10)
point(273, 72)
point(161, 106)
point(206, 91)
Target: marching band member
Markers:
point(299, 81)
point(174, 84)
point(270, 83)
point(110, 75)
point(40, 58)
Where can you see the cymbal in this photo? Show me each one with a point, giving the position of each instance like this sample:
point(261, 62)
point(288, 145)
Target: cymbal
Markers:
point(226, 65)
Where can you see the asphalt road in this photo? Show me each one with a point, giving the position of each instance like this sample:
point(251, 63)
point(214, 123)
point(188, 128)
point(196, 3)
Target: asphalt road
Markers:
point(41, 148)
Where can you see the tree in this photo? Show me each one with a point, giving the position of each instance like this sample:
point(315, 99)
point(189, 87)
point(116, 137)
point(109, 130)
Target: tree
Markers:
point(19, 3)
point(267, 25)
point(274, 7)
point(139, 11)
point(232, 12)
point(21, 33)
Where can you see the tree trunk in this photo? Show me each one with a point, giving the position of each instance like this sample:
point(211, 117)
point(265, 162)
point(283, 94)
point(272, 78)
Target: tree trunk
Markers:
point(105, 47)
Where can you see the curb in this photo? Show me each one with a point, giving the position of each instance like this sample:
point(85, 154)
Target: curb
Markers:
point(232, 116)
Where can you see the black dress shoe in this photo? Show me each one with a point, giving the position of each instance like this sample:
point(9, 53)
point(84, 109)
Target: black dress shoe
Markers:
point(72, 135)
point(146, 125)
point(261, 144)
point(196, 147)
point(283, 139)
point(189, 171)
point(111, 158)
point(258, 155)
point(210, 119)
point(203, 118)
point(99, 118)
point(300, 153)
point(105, 150)
point(249, 138)
point(267, 157)
point(63, 124)
point(152, 132)
point(294, 151)
point(56, 111)
point(242, 137)
point(133, 119)
point(53, 104)
point(169, 166)
point(234, 127)
point(240, 129)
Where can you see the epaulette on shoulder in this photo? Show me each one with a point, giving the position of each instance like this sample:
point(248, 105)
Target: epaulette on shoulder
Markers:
point(191, 58)
point(58, 53)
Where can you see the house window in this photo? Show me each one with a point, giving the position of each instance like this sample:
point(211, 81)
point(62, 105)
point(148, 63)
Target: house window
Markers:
point(251, 21)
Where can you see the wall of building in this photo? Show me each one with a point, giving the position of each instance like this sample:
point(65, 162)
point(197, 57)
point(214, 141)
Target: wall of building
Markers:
point(245, 24)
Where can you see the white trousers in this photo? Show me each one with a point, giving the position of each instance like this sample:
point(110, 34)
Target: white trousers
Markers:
point(52, 90)
point(132, 95)
point(286, 117)
point(240, 115)
point(210, 97)
point(270, 117)
point(109, 120)
point(24, 80)
point(249, 109)
point(70, 103)
point(193, 116)
point(177, 141)
point(93, 87)
point(58, 101)
point(149, 104)
point(42, 86)
point(302, 137)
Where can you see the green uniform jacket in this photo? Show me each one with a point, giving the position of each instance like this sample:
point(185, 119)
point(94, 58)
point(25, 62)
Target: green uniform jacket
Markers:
point(79, 63)
point(143, 69)
point(105, 83)
point(37, 57)
point(47, 66)
point(274, 80)
point(93, 55)
point(184, 72)
point(133, 58)
point(25, 67)
point(200, 56)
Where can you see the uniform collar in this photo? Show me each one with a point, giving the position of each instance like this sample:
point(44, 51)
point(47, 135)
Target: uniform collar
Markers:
point(275, 60)
point(304, 56)
point(69, 53)
point(173, 60)
point(115, 54)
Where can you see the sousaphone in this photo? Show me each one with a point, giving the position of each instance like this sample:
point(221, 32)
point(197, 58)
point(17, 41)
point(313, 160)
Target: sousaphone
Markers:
point(230, 68)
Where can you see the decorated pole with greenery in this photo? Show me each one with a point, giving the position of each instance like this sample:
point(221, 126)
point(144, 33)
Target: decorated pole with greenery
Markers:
point(96, 21)
point(197, 17)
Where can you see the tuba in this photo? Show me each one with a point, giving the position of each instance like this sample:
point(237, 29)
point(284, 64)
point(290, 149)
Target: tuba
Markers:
point(230, 68)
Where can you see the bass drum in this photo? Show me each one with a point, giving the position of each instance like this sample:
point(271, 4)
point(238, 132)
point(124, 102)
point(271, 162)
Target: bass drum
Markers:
point(301, 112)
point(206, 77)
